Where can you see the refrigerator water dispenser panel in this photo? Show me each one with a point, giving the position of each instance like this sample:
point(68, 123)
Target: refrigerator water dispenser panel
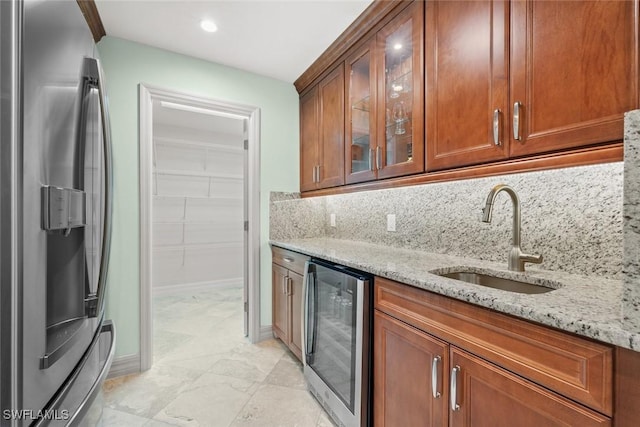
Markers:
point(63, 208)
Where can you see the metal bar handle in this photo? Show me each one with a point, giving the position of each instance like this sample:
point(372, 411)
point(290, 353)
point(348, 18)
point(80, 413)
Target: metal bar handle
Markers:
point(434, 377)
point(371, 155)
point(108, 193)
point(310, 312)
point(289, 287)
point(516, 121)
point(288, 259)
point(378, 157)
point(496, 127)
point(284, 285)
point(318, 173)
point(313, 174)
point(454, 388)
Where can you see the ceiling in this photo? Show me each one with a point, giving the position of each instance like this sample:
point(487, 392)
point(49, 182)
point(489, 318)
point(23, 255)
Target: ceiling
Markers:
point(274, 38)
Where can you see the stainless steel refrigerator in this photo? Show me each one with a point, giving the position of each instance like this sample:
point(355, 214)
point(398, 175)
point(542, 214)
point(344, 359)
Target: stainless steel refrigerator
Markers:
point(55, 216)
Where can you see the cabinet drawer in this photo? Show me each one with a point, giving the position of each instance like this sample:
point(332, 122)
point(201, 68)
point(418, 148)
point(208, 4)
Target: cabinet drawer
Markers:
point(291, 260)
point(572, 366)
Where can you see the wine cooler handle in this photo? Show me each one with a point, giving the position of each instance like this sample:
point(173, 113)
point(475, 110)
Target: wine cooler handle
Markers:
point(310, 310)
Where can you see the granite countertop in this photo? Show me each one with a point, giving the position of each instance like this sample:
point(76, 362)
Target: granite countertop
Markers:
point(587, 306)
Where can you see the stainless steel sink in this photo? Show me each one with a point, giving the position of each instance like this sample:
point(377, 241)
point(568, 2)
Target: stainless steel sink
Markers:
point(497, 282)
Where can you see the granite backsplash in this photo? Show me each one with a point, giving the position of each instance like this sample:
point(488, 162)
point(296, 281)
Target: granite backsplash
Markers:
point(631, 210)
point(572, 216)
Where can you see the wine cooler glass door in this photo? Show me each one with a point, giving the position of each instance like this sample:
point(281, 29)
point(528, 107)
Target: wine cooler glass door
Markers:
point(335, 317)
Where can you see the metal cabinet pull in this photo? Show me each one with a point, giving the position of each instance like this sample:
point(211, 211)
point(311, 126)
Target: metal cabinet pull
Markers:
point(496, 126)
point(371, 154)
point(289, 286)
point(434, 377)
point(318, 173)
point(315, 173)
point(516, 120)
point(378, 157)
point(284, 285)
point(454, 388)
point(287, 259)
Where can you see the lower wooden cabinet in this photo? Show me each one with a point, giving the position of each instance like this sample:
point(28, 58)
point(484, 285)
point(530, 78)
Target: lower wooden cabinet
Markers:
point(280, 311)
point(403, 362)
point(486, 395)
point(287, 284)
point(295, 308)
point(425, 376)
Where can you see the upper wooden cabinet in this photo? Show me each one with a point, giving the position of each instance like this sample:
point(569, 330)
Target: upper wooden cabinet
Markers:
point(467, 82)
point(385, 109)
point(322, 133)
point(507, 79)
point(361, 115)
point(468, 88)
point(574, 72)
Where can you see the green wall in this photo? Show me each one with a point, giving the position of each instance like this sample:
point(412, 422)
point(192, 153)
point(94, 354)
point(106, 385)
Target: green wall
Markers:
point(127, 64)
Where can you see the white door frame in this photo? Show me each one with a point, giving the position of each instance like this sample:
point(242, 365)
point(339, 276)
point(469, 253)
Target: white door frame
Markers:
point(148, 94)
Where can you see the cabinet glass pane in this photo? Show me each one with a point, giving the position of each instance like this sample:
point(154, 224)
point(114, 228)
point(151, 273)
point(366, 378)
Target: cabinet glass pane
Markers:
point(398, 59)
point(359, 98)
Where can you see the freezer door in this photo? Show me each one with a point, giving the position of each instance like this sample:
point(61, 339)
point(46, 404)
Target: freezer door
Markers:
point(79, 402)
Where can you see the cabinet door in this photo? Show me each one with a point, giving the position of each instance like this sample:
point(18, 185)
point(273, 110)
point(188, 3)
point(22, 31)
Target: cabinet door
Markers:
point(467, 82)
point(402, 377)
point(360, 115)
point(574, 71)
point(331, 146)
point(490, 396)
point(400, 62)
point(309, 139)
point(280, 308)
point(295, 300)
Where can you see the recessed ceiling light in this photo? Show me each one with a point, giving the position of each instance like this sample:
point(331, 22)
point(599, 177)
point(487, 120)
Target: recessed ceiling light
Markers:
point(208, 26)
point(397, 46)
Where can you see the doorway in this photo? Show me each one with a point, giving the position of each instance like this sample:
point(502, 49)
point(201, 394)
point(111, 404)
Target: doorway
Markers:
point(199, 202)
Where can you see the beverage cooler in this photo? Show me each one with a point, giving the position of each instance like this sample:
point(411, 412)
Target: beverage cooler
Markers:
point(337, 337)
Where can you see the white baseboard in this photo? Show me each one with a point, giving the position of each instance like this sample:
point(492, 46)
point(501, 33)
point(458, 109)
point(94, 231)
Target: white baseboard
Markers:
point(124, 365)
point(237, 282)
point(266, 333)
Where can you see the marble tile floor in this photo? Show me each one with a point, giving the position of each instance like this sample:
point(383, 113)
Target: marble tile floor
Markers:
point(205, 373)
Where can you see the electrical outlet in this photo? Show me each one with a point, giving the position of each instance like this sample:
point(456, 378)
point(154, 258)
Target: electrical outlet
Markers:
point(391, 222)
point(332, 220)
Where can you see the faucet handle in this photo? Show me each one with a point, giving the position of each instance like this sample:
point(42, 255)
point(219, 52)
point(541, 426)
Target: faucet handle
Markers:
point(535, 259)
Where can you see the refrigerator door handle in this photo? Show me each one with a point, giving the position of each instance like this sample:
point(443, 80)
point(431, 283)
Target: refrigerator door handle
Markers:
point(108, 194)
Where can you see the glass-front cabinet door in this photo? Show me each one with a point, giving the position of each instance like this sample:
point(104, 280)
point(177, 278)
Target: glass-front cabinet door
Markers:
point(400, 143)
point(385, 110)
point(361, 95)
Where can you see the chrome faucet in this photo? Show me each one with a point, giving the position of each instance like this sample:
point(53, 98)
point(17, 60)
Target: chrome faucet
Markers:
point(516, 257)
